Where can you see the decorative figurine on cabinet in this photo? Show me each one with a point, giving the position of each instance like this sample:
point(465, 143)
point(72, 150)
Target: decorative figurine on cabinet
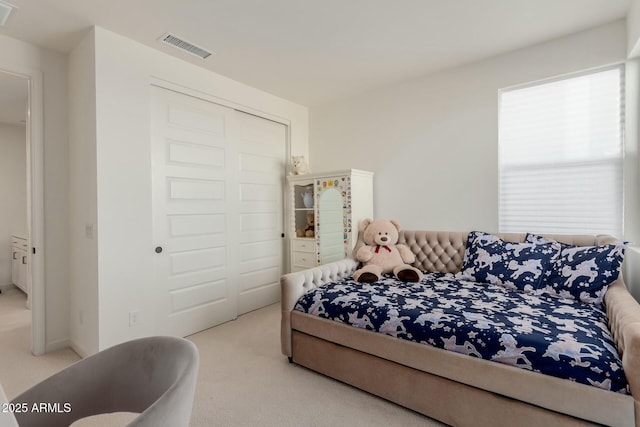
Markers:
point(299, 166)
point(307, 197)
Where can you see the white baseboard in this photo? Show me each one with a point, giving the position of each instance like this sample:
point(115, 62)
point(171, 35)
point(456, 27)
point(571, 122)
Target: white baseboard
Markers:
point(8, 287)
point(78, 349)
point(57, 345)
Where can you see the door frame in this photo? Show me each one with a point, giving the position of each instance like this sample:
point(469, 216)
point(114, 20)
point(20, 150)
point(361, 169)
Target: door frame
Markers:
point(35, 202)
point(166, 84)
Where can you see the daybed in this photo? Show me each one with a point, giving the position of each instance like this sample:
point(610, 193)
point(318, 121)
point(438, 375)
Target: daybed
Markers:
point(456, 388)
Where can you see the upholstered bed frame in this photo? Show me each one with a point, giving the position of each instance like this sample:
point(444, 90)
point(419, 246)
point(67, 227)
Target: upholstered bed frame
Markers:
point(457, 389)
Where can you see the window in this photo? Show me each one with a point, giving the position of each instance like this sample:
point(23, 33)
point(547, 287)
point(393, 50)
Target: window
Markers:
point(560, 155)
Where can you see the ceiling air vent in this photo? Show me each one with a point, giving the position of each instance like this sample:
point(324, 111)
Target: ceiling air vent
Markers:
point(185, 46)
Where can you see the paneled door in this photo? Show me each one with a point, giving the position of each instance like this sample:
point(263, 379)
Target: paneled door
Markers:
point(261, 158)
point(214, 197)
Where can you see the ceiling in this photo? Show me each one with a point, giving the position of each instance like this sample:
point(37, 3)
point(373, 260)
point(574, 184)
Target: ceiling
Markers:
point(317, 51)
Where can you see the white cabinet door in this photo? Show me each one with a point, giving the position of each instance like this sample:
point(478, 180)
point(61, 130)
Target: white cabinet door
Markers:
point(19, 262)
point(217, 211)
point(22, 271)
point(15, 266)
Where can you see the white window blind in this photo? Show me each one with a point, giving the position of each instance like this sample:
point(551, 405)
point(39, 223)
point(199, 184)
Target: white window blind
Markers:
point(560, 155)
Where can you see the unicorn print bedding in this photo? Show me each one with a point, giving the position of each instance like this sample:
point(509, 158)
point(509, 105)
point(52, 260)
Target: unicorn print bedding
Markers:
point(562, 337)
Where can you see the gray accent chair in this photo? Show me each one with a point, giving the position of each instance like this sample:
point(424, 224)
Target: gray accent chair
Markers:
point(155, 377)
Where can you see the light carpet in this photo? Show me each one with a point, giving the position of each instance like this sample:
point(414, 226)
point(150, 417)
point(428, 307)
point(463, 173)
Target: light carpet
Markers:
point(243, 378)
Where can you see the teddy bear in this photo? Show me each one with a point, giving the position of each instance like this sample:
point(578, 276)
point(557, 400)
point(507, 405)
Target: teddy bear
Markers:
point(299, 166)
point(381, 253)
point(309, 230)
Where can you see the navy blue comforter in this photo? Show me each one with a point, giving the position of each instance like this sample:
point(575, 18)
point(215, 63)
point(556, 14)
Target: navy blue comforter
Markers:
point(560, 337)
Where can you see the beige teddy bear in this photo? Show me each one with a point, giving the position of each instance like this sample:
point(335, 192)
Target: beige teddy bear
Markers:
point(381, 254)
point(309, 230)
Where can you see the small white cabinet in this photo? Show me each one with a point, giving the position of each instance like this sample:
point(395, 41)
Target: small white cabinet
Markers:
point(19, 259)
point(324, 212)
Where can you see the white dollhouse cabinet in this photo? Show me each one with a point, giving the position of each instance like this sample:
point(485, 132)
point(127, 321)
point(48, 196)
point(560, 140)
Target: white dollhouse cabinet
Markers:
point(324, 212)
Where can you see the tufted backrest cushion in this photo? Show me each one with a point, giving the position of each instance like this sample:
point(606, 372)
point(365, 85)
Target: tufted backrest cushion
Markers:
point(436, 251)
point(443, 251)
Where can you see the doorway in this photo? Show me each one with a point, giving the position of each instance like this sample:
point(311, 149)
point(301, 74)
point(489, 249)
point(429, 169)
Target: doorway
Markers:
point(22, 223)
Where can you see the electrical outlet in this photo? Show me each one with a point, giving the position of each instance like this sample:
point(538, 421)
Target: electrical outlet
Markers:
point(134, 318)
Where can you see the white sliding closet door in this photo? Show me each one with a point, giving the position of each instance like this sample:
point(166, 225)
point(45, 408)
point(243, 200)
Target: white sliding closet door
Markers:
point(261, 151)
point(211, 221)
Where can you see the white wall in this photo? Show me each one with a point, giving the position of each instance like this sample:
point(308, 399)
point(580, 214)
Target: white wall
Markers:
point(433, 142)
point(124, 70)
point(19, 56)
point(83, 255)
point(13, 193)
point(633, 29)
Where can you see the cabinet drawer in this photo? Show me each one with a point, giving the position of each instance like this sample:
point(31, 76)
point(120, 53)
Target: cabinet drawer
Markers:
point(305, 259)
point(308, 245)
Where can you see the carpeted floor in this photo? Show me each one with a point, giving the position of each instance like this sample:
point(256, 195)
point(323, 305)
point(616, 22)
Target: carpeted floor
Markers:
point(18, 368)
point(243, 379)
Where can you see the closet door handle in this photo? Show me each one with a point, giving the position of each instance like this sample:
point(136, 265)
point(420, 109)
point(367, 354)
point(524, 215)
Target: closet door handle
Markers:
point(14, 255)
point(24, 259)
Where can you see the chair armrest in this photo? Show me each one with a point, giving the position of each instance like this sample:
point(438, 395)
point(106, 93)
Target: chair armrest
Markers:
point(623, 312)
point(7, 419)
point(294, 285)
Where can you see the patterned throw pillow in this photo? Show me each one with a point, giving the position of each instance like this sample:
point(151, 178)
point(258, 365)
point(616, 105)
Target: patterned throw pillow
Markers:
point(488, 258)
point(583, 273)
